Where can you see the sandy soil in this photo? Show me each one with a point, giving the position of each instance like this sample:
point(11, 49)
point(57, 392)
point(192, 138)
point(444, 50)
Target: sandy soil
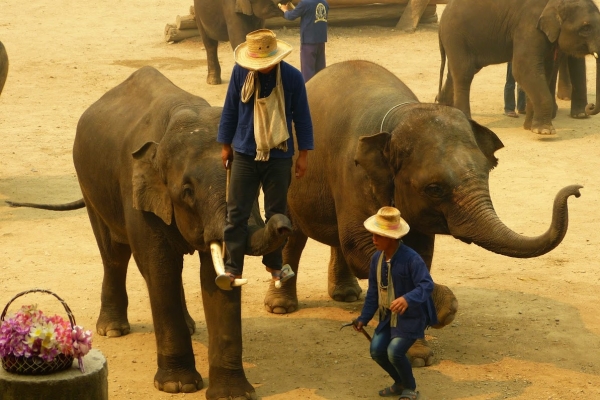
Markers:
point(526, 328)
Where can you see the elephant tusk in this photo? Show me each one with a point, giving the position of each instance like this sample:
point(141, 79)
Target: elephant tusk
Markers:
point(595, 55)
point(217, 258)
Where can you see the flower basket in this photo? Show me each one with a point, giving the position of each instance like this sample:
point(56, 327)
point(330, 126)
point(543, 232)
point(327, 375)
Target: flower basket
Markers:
point(33, 344)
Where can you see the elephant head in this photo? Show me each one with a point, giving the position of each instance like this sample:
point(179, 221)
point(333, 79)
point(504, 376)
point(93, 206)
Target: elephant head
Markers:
point(575, 26)
point(262, 9)
point(181, 180)
point(435, 167)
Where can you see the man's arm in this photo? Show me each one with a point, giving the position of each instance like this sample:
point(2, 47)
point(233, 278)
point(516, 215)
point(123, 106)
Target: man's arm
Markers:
point(229, 115)
point(292, 14)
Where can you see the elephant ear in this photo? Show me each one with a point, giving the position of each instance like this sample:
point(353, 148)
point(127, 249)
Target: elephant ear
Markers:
point(372, 153)
point(550, 21)
point(487, 141)
point(243, 7)
point(149, 191)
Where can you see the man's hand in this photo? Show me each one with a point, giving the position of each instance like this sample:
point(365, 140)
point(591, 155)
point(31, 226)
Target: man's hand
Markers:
point(301, 163)
point(358, 326)
point(227, 155)
point(283, 7)
point(399, 305)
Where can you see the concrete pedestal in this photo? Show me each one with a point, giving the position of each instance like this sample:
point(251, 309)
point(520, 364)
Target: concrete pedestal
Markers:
point(65, 385)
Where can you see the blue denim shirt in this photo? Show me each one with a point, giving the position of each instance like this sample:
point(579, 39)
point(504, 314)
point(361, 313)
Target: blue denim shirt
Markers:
point(237, 120)
point(313, 21)
point(412, 280)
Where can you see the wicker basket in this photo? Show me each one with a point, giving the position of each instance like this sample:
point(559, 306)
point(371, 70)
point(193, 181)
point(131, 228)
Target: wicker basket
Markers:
point(35, 365)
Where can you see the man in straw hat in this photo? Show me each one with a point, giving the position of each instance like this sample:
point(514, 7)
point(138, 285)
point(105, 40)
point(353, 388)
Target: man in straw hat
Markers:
point(264, 96)
point(400, 289)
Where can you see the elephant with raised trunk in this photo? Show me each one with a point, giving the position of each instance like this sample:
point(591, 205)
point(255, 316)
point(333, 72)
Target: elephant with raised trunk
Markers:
point(153, 184)
point(229, 20)
point(377, 145)
point(530, 33)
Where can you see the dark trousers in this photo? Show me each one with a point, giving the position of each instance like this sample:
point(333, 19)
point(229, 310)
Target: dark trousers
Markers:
point(390, 354)
point(247, 176)
point(312, 59)
point(509, 93)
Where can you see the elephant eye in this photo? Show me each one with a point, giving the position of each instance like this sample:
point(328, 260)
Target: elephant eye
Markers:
point(585, 30)
point(187, 191)
point(435, 190)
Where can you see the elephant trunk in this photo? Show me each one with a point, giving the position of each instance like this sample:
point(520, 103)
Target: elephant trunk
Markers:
point(486, 229)
point(263, 240)
point(593, 109)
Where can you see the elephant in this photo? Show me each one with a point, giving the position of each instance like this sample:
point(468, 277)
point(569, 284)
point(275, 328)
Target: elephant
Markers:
point(229, 20)
point(477, 33)
point(149, 168)
point(428, 160)
point(3, 66)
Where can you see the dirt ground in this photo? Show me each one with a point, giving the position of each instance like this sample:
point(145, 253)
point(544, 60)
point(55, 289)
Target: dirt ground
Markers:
point(526, 328)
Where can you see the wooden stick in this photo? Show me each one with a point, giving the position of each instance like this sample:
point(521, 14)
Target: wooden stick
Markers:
point(186, 22)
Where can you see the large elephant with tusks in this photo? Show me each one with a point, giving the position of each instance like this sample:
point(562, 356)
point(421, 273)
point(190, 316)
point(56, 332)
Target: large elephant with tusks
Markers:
point(153, 184)
point(377, 145)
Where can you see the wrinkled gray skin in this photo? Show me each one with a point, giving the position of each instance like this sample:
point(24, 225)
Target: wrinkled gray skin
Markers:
point(150, 171)
point(429, 160)
point(476, 33)
point(572, 85)
point(3, 66)
point(229, 20)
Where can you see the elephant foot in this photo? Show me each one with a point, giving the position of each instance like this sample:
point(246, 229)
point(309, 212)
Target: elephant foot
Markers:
point(579, 114)
point(213, 79)
point(178, 381)
point(345, 291)
point(420, 354)
point(283, 300)
point(112, 326)
point(225, 383)
point(446, 305)
point(543, 129)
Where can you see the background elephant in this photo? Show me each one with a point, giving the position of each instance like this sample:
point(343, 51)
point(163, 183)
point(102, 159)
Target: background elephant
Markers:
point(476, 33)
point(3, 66)
point(428, 160)
point(229, 20)
point(153, 185)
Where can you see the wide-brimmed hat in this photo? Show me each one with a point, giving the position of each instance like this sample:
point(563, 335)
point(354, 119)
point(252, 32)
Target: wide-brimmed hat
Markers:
point(261, 50)
point(387, 222)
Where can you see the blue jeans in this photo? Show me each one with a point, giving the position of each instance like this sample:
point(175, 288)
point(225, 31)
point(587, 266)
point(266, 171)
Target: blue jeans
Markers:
point(390, 354)
point(509, 93)
point(247, 176)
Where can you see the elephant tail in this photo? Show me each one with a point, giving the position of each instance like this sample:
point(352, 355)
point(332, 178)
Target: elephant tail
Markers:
point(442, 67)
point(75, 205)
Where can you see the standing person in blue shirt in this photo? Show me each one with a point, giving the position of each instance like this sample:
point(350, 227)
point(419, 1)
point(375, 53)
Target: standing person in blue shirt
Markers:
point(400, 288)
point(313, 33)
point(264, 96)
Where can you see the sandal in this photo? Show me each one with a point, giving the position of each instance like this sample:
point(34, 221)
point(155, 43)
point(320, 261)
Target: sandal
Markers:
point(283, 274)
point(409, 395)
point(393, 390)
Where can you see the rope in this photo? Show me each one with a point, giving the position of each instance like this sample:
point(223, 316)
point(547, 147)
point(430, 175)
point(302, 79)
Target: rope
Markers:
point(391, 109)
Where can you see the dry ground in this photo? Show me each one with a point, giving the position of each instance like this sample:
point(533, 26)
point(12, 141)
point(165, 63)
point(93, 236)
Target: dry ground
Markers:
point(526, 328)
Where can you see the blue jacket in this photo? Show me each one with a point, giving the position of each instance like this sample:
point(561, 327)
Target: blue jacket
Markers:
point(412, 280)
point(313, 22)
point(237, 120)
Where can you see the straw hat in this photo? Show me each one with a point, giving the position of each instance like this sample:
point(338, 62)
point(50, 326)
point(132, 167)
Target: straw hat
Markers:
point(261, 50)
point(387, 222)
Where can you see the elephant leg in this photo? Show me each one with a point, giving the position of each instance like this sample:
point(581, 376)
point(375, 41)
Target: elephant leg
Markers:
point(463, 74)
point(212, 58)
point(223, 313)
point(161, 268)
point(540, 101)
point(341, 282)
point(189, 321)
point(577, 74)
point(112, 320)
point(446, 94)
point(285, 299)
point(420, 354)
